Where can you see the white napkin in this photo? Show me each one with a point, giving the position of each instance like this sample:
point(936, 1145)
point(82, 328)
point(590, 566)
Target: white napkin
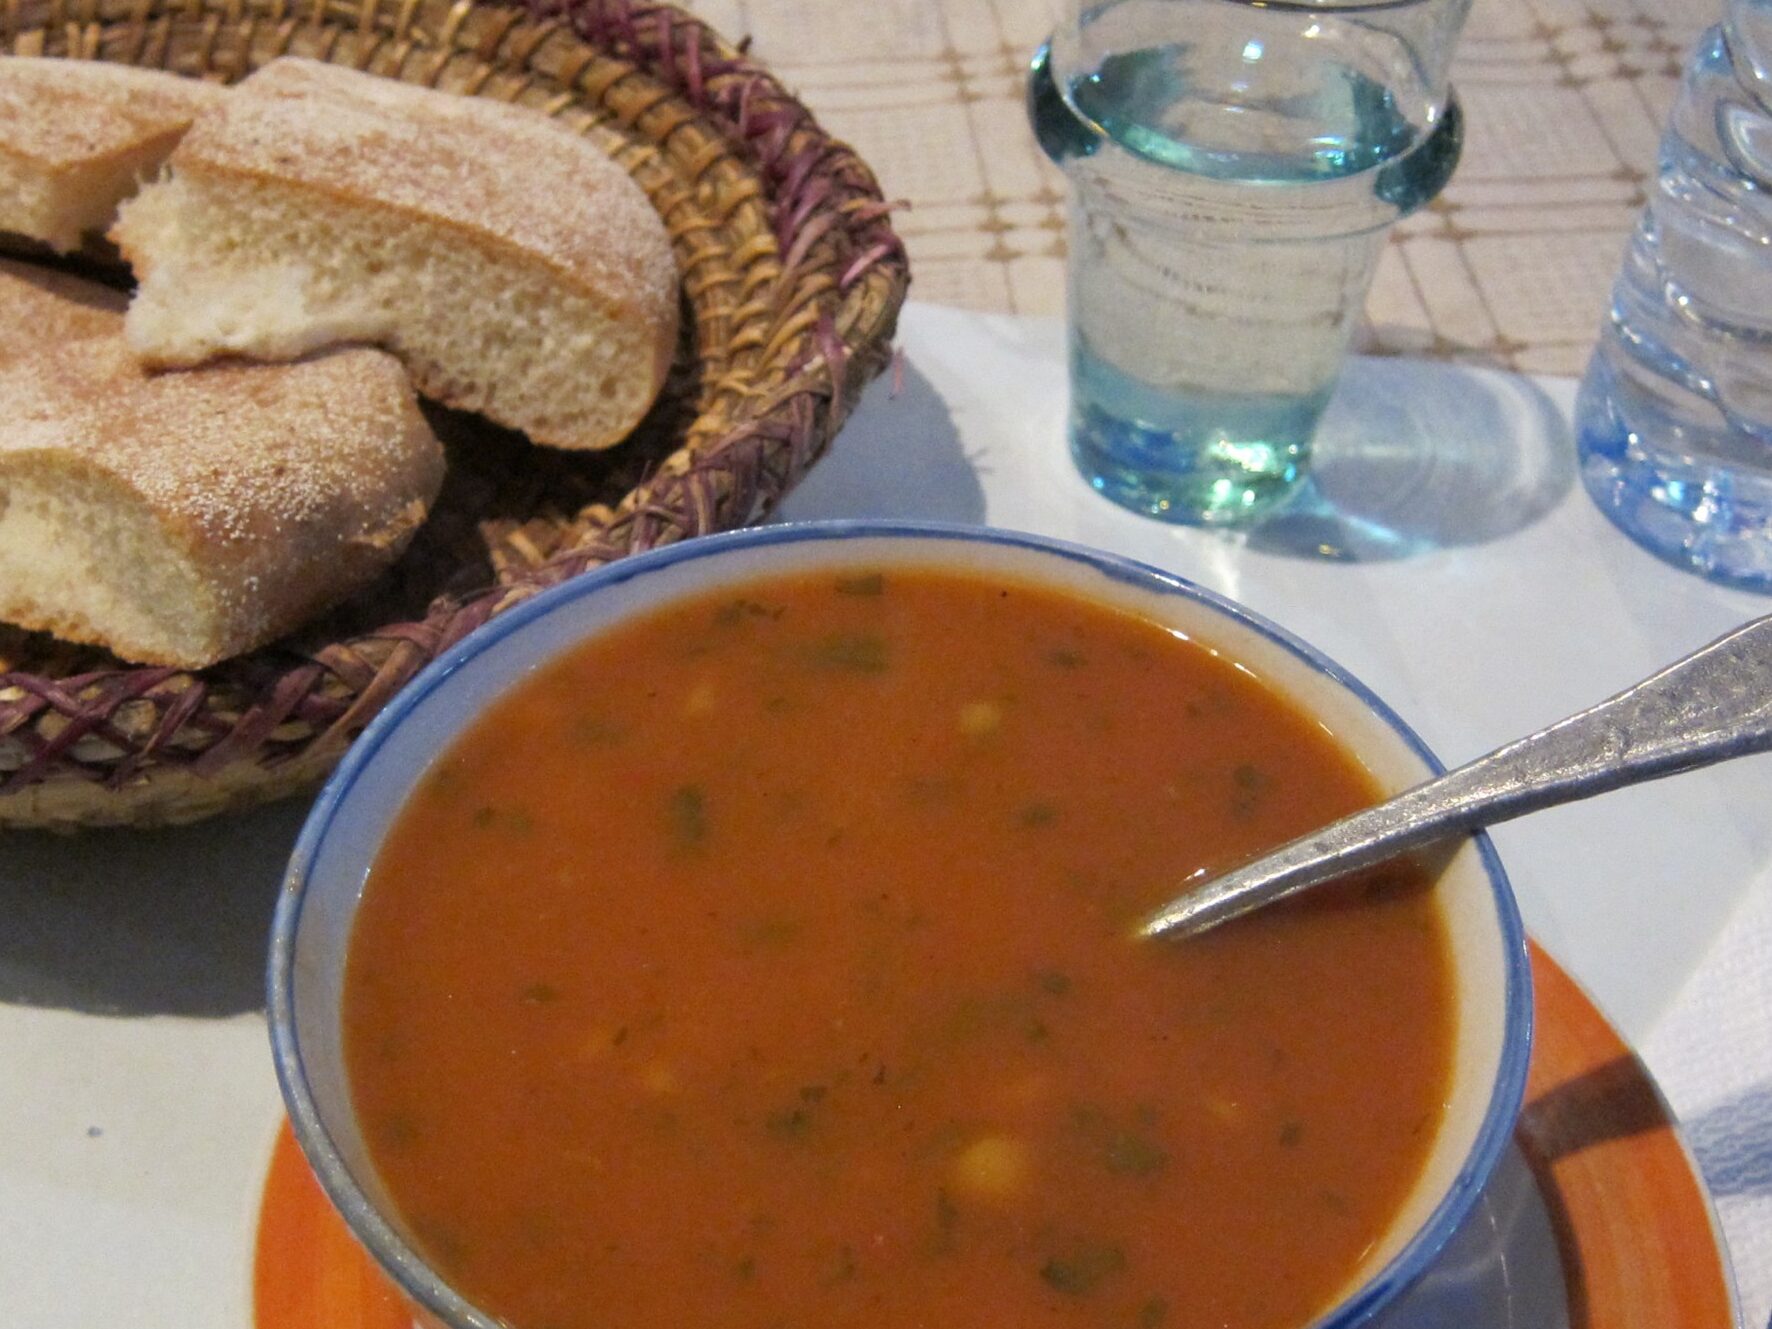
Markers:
point(1712, 1054)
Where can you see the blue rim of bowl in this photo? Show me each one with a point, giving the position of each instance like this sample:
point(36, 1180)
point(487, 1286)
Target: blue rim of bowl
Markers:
point(416, 1277)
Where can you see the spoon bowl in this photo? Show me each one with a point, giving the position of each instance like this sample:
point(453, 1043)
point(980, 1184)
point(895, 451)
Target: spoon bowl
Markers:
point(1713, 705)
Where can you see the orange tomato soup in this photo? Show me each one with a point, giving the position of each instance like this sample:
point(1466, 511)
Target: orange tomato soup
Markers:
point(766, 965)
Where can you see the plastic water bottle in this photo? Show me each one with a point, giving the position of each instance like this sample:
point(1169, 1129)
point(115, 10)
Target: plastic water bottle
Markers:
point(1674, 417)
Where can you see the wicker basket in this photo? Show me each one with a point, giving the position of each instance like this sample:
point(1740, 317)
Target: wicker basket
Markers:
point(792, 279)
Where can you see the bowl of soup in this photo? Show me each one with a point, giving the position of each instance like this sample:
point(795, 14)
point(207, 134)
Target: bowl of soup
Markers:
point(741, 937)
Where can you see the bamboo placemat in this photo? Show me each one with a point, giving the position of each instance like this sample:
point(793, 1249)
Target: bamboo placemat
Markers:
point(1564, 104)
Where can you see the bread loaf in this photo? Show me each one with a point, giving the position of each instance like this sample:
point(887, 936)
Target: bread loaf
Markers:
point(512, 266)
point(181, 518)
point(78, 136)
point(41, 306)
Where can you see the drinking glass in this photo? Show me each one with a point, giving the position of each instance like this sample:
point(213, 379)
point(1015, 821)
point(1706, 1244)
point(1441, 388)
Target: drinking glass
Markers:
point(1235, 166)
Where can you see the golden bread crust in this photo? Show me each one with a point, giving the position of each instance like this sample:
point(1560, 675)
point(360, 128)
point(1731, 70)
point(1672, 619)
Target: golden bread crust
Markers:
point(77, 137)
point(42, 305)
point(514, 268)
point(62, 113)
point(503, 176)
point(275, 490)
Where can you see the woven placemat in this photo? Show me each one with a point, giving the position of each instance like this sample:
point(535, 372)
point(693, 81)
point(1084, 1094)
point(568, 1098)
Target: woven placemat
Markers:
point(791, 277)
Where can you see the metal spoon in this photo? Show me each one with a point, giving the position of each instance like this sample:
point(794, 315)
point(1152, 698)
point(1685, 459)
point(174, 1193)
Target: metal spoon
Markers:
point(1711, 706)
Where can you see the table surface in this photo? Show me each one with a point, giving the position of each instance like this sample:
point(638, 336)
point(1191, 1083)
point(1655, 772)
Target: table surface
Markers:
point(1510, 267)
point(1451, 561)
point(137, 1101)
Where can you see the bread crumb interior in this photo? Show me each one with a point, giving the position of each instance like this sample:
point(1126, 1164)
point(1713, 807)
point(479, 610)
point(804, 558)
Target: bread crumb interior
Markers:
point(273, 270)
point(85, 553)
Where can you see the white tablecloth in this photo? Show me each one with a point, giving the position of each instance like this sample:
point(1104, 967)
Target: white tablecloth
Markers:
point(1479, 592)
point(137, 1104)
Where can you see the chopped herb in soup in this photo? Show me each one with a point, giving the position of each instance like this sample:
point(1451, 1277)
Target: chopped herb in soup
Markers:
point(765, 965)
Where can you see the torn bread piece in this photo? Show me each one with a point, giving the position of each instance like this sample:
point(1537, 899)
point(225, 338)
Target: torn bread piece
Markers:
point(77, 137)
point(514, 267)
point(181, 518)
point(40, 307)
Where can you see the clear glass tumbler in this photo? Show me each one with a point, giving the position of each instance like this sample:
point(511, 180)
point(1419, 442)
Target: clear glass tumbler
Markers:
point(1235, 166)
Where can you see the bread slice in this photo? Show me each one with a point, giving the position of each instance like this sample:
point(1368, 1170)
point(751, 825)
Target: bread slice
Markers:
point(41, 307)
point(513, 266)
point(79, 136)
point(181, 518)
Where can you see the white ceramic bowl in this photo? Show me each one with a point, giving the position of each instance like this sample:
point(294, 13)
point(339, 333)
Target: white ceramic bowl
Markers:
point(354, 812)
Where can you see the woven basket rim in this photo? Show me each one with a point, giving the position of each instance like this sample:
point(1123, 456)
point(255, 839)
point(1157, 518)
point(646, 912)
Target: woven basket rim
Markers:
point(101, 739)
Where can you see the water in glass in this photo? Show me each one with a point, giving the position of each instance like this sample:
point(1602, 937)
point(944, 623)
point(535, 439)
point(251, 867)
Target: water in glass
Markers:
point(1231, 193)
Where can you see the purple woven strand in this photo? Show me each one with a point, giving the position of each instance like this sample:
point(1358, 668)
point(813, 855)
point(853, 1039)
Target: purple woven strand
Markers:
point(87, 716)
point(671, 44)
point(185, 705)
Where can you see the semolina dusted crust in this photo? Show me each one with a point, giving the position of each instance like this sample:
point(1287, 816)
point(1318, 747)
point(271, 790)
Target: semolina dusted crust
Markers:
point(42, 305)
point(182, 518)
point(510, 263)
point(78, 136)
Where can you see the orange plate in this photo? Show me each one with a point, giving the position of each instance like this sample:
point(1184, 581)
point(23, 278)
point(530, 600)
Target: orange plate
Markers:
point(1633, 1227)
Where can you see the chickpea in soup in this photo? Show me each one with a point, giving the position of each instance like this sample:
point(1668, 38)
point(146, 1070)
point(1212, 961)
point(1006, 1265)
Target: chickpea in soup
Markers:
point(765, 964)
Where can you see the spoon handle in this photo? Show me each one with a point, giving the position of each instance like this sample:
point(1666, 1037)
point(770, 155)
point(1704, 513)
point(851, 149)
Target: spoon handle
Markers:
point(1711, 706)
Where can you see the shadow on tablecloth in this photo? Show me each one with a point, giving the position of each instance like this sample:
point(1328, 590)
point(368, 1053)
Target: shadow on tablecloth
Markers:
point(899, 457)
point(1414, 457)
point(165, 922)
